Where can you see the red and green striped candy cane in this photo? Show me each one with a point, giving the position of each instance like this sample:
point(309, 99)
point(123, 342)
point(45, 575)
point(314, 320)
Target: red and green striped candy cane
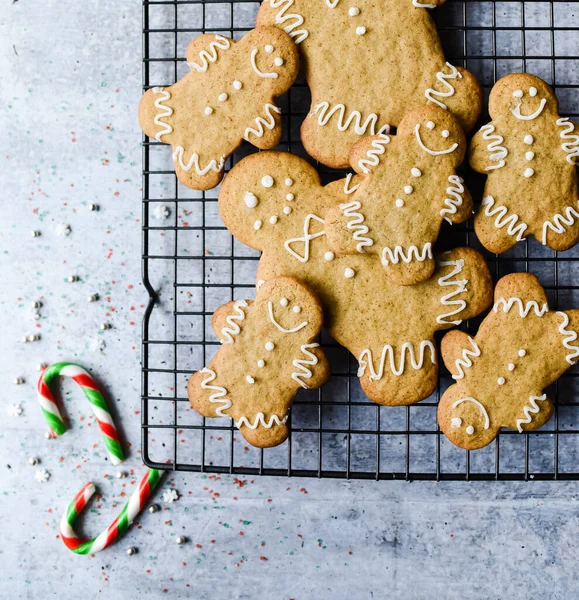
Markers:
point(117, 528)
point(94, 396)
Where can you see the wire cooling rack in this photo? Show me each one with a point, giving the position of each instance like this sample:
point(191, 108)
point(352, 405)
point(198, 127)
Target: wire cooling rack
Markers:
point(192, 265)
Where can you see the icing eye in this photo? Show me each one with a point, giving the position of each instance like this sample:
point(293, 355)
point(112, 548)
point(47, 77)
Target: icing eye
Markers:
point(237, 85)
point(278, 62)
point(360, 30)
point(208, 110)
point(518, 94)
point(257, 225)
point(250, 199)
point(284, 301)
point(532, 92)
point(430, 125)
point(522, 353)
point(273, 220)
point(267, 181)
point(297, 309)
point(354, 11)
point(349, 273)
point(470, 430)
point(445, 133)
point(399, 203)
point(269, 48)
point(501, 381)
point(456, 422)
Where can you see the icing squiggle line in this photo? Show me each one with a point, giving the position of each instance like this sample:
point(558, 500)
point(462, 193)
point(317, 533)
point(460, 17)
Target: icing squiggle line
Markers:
point(420, 5)
point(482, 409)
point(413, 253)
point(355, 116)
point(260, 420)
point(454, 197)
point(465, 362)
point(366, 359)
point(300, 364)
point(559, 222)
point(350, 190)
point(355, 225)
point(297, 19)
point(212, 165)
point(568, 336)
point(497, 152)
point(531, 408)
point(372, 160)
point(572, 146)
point(206, 57)
point(263, 74)
point(427, 149)
point(446, 300)
point(233, 328)
point(280, 327)
point(306, 239)
point(502, 219)
point(220, 393)
point(167, 111)
point(524, 308)
point(263, 124)
point(517, 111)
point(444, 80)
point(332, 3)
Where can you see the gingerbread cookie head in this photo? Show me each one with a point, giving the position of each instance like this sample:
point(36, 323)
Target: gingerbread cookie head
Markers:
point(501, 373)
point(227, 96)
point(528, 153)
point(268, 353)
point(408, 186)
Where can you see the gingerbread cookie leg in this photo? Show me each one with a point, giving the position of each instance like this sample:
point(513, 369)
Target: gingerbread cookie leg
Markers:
point(497, 228)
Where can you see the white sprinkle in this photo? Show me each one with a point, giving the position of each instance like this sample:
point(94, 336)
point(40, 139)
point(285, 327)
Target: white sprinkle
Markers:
point(269, 48)
point(470, 430)
point(223, 97)
point(161, 212)
point(529, 155)
point(249, 379)
point(532, 91)
point(170, 495)
point(72, 278)
point(522, 353)
point(529, 172)
point(104, 326)
point(33, 460)
point(273, 219)
point(35, 304)
point(42, 475)
point(40, 366)
point(278, 62)
point(399, 203)
point(297, 309)
point(250, 199)
point(501, 381)
point(329, 255)
point(456, 422)
point(284, 301)
point(354, 11)
point(208, 110)
point(269, 346)
point(18, 381)
point(153, 508)
point(528, 139)
point(360, 30)
point(261, 363)
point(63, 229)
point(33, 338)
point(121, 474)
point(408, 189)
point(93, 298)
point(511, 367)
point(430, 125)
point(349, 273)
point(287, 210)
point(267, 181)
point(131, 551)
point(93, 207)
point(518, 94)
point(180, 540)
point(257, 225)
point(15, 410)
point(25, 338)
point(416, 172)
point(289, 181)
point(48, 435)
point(35, 233)
point(237, 84)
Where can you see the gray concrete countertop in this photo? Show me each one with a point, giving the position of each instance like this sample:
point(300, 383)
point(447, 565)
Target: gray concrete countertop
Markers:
point(71, 81)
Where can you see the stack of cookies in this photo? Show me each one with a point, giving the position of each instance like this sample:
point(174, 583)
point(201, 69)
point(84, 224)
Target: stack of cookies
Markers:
point(357, 256)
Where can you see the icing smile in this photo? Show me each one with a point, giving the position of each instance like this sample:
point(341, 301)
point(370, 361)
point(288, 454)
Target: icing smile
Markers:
point(280, 327)
point(432, 152)
point(271, 75)
point(456, 422)
point(517, 111)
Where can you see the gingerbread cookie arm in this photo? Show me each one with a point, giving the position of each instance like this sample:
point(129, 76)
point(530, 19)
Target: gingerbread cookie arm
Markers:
point(264, 131)
point(521, 291)
point(458, 349)
point(497, 226)
point(458, 205)
point(205, 49)
point(366, 154)
point(487, 150)
point(228, 320)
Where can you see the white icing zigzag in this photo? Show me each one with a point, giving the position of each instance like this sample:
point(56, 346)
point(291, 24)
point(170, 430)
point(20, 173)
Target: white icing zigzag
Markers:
point(212, 165)
point(420, 5)
point(233, 328)
point(454, 196)
point(355, 117)
point(498, 152)
point(390, 256)
point(524, 309)
point(268, 123)
point(511, 221)
point(260, 420)
point(355, 224)
point(444, 80)
point(306, 239)
point(210, 56)
point(349, 190)
point(569, 336)
point(167, 111)
point(559, 222)
point(572, 146)
point(531, 408)
point(372, 160)
point(446, 300)
point(465, 362)
point(220, 393)
point(300, 363)
point(296, 20)
point(366, 359)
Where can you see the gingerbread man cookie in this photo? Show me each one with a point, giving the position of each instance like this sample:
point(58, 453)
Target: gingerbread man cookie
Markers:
point(521, 348)
point(227, 96)
point(409, 185)
point(268, 353)
point(274, 202)
point(367, 63)
point(528, 153)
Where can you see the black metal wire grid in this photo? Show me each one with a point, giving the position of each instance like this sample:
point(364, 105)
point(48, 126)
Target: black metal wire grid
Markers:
point(191, 265)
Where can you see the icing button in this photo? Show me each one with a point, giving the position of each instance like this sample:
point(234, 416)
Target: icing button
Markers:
point(269, 346)
point(501, 381)
point(289, 181)
point(354, 11)
point(349, 273)
point(249, 379)
point(208, 110)
point(257, 225)
point(287, 210)
point(237, 84)
point(289, 197)
point(511, 367)
point(528, 139)
point(408, 189)
point(360, 30)
point(329, 256)
point(273, 219)
point(223, 97)
point(250, 199)
point(529, 155)
point(416, 172)
point(261, 363)
point(522, 353)
point(529, 172)
point(399, 203)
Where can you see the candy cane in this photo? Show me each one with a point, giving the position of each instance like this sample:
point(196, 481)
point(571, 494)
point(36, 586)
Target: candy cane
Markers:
point(94, 396)
point(117, 528)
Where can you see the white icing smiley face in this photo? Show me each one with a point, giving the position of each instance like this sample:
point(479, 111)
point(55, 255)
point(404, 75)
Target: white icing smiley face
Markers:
point(288, 314)
point(520, 98)
point(458, 423)
point(270, 62)
point(434, 143)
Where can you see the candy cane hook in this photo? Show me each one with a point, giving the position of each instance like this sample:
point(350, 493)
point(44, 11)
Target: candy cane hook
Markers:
point(94, 396)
